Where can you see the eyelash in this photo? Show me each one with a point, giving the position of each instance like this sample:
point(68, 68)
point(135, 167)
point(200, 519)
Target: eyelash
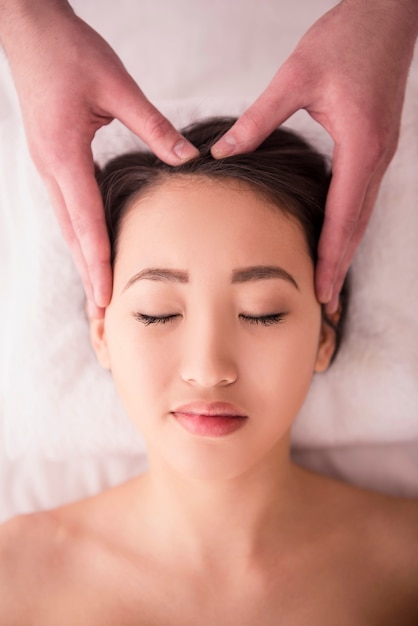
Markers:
point(263, 320)
point(147, 320)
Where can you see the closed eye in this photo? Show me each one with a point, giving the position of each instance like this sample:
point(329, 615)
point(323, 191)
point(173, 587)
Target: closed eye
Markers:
point(147, 320)
point(264, 320)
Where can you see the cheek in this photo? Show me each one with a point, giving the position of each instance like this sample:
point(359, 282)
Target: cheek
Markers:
point(141, 367)
point(286, 365)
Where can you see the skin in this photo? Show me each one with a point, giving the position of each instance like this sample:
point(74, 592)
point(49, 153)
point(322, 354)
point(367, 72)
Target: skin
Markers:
point(355, 91)
point(220, 530)
point(208, 346)
point(352, 82)
point(69, 87)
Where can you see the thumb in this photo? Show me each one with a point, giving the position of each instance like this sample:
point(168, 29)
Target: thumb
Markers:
point(138, 114)
point(273, 107)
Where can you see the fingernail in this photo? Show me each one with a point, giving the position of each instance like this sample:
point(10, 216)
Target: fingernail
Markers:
point(98, 297)
point(325, 295)
point(333, 305)
point(94, 312)
point(102, 292)
point(225, 147)
point(185, 151)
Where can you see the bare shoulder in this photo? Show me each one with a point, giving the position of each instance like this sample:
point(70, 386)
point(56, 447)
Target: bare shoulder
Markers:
point(22, 540)
point(379, 536)
point(393, 540)
point(396, 524)
point(25, 558)
point(387, 515)
point(388, 523)
point(43, 560)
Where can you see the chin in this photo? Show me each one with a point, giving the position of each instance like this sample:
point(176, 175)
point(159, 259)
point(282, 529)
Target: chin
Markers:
point(213, 460)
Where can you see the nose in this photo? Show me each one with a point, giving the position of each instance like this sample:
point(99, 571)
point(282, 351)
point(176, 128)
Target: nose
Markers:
point(209, 358)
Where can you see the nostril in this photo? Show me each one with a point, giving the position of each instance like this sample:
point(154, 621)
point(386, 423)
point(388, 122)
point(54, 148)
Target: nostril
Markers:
point(208, 360)
point(206, 382)
point(204, 377)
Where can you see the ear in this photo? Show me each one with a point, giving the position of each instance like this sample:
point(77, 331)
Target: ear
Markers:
point(327, 342)
point(98, 341)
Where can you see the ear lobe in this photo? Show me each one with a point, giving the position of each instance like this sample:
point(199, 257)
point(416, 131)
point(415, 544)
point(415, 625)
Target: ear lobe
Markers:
point(327, 342)
point(98, 341)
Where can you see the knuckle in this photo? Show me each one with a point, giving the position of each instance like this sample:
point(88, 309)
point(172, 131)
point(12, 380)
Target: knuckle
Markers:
point(253, 121)
point(40, 157)
point(347, 227)
point(80, 227)
point(299, 70)
point(70, 237)
point(157, 127)
point(48, 159)
point(344, 226)
point(376, 146)
point(380, 142)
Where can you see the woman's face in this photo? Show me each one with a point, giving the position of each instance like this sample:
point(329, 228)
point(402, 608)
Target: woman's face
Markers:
point(213, 331)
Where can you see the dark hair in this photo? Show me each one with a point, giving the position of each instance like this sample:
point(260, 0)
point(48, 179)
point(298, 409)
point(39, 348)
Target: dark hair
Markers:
point(284, 168)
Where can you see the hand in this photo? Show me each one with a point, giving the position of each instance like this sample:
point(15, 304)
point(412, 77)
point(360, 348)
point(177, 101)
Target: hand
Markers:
point(349, 73)
point(70, 83)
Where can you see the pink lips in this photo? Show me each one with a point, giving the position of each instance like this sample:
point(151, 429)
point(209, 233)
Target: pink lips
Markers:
point(210, 419)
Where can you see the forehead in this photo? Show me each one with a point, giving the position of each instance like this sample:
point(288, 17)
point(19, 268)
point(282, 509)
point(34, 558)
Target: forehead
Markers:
point(193, 215)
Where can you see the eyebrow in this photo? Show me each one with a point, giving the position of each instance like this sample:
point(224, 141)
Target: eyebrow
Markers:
point(158, 274)
point(262, 272)
point(242, 275)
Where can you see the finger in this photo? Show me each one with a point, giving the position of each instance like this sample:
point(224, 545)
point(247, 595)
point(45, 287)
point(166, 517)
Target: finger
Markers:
point(64, 222)
point(93, 311)
point(346, 196)
point(366, 212)
point(79, 209)
point(86, 215)
point(275, 105)
point(137, 113)
point(348, 256)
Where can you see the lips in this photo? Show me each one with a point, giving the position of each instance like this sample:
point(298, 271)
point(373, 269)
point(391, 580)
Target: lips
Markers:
point(210, 419)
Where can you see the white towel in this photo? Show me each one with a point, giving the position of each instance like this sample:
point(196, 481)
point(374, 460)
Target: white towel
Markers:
point(58, 402)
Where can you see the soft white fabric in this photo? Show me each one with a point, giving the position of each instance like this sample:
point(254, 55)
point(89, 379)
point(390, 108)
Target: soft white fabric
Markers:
point(28, 485)
point(56, 400)
point(370, 394)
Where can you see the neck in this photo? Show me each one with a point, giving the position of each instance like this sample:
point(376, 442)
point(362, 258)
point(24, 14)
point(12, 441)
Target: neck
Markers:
point(221, 521)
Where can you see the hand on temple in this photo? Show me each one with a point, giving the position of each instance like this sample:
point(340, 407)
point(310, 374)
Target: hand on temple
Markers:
point(70, 83)
point(349, 72)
